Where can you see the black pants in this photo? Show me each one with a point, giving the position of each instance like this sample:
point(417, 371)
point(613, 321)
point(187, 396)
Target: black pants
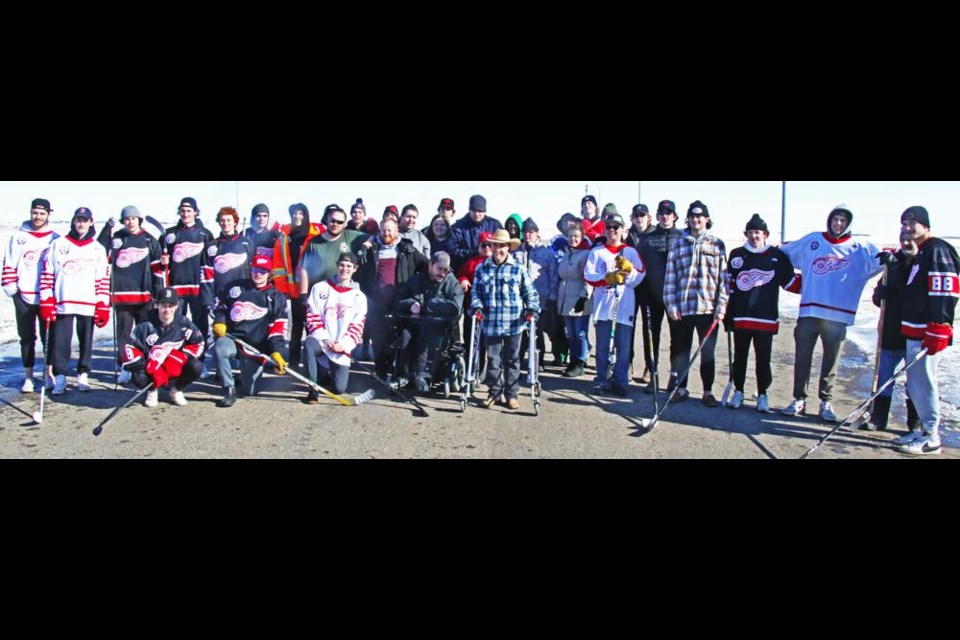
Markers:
point(763, 348)
point(658, 311)
point(200, 316)
point(421, 342)
point(298, 321)
point(191, 371)
point(381, 332)
point(127, 316)
point(27, 317)
point(62, 333)
point(682, 336)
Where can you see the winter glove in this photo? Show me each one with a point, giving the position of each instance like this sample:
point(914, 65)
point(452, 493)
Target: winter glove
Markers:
point(478, 314)
point(281, 363)
point(219, 329)
point(405, 247)
point(937, 337)
point(173, 365)
point(613, 278)
point(727, 324)
point(580, 306)
point(885, 256)
point(532, 314)
point(880, 293)
point(101, 316)
point(112, 222)
point(48, 310)
point(160, 377)
point(624, 265)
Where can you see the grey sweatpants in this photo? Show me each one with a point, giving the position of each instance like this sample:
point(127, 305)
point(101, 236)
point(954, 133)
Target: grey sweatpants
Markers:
point(831, 334)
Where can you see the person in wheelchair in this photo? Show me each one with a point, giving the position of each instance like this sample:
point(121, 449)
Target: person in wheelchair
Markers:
point(427, 307)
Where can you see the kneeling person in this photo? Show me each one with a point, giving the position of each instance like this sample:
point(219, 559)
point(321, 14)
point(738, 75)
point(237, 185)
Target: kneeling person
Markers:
point(164, 350)
point(258, 316)
point(336, 313)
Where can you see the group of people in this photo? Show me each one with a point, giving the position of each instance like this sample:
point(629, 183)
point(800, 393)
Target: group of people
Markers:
point(349, 281)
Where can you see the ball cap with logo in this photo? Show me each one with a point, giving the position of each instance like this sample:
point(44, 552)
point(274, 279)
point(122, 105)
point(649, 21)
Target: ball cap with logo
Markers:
point(168, 295)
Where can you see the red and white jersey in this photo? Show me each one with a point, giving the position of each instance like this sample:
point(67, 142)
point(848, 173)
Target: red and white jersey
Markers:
point(76, 275)
point(617, 301)
point(336, 313)
point(23, 260)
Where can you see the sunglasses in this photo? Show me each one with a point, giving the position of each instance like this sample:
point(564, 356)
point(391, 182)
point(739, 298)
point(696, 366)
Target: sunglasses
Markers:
point(332, 221)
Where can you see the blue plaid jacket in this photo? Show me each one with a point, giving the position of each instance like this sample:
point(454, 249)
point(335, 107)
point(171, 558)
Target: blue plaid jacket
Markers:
point(503, 292)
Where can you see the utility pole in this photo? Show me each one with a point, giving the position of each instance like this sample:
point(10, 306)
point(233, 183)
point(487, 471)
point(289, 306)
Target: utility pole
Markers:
point(783, 212)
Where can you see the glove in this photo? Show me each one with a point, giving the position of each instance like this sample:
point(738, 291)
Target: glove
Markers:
point(173, 365)
point(219, 329)
point(48, 310)
point(101, 316)
point(281, 363)
point(937, 337)
point(160, 377)
point(885, 256)
point(405, 247)
point(880, 292)
point(613, 278)
point(581, 304)
point(478, 314)
point(532, 315)
point(727, 323)
point(624, 265)
point(112, 222)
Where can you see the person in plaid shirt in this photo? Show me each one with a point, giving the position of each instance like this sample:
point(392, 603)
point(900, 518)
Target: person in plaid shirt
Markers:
point(504, 299)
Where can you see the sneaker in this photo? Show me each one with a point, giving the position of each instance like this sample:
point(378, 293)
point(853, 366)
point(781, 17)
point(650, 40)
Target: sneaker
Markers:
point(177, 398)
point(763, 405)
point(926, 445)
point(83, 384)
point(710, 401)
point(421, 385)
point(513, 404)
point(614, 389)
point(826, 412)
point(152, 396)
point(796, 408)
point(645, 378)
point(206, 373)
point(737, 400)
point(681, 394)
point(907, 438)
point(599, 388)
point(124, 377)
point(60, 386)
point(27, 386)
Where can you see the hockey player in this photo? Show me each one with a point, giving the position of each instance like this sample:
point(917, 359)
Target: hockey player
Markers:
point(756, 273)
point(21, 281)
point(165, 350)
point(834, 270)
point(257, 315)
point(930, 299)
point(263, 236)
point(74, 287)
point(231, 255)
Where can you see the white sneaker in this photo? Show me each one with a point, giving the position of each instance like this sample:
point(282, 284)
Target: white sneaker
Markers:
point(60, 386)
point(83, 384)
point(763, 405)
point(177, 398)
point(826, 411)
point(927, 445)
point(152, 397)
point(796, 408)
point(124, 377)
point(737, 400)
point(27, 386)
point(907, 438)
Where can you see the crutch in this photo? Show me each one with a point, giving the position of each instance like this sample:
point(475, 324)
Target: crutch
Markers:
point(473, 357)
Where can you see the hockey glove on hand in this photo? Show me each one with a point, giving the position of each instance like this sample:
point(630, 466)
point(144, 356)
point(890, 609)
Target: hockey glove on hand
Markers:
point(173, 365)
point(156, 372)
point(48, 310)
point(613, 278)
point(937, 337)
point(101, 316)
point(624, 265)
point(281, 363)
point(219, 329)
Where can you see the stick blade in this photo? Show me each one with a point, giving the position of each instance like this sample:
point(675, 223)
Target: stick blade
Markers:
point(366, 396)
point(37, 417)
point(97, 431)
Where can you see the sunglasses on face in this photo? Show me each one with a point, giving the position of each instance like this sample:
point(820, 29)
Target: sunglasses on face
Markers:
point(333, 221)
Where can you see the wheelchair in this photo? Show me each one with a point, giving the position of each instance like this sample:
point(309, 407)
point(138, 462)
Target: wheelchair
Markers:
point(446, 359)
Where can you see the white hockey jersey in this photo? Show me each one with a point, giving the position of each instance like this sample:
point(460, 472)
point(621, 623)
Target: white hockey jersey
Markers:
point(336, 313)
point(23, 260)
point(613, 301)
point(75, 274)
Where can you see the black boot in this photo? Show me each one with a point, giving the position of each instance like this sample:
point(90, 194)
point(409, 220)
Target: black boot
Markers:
point(575, 371)
point(913, 419)
point(879, 413)
point(229, 397)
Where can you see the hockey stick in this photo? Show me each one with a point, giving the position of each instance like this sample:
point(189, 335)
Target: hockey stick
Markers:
point(166, 267)
point(97, 430)
point(650, 423)
point(726, 392)
point(346, 400)
point(412, 400)
point(157, 224)
point(654, 358)
point(866, 403)
point(876, 360)
point(38, 415)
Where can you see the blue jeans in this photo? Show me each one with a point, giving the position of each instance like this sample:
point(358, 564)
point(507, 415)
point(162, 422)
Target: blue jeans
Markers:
point(250, 369)
point(578, 336)
point(621, 369)
point(890, 359)
point(922, 386)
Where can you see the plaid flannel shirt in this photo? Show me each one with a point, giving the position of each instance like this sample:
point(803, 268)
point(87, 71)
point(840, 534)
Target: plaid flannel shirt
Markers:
point(695, 281)
point(503, 292)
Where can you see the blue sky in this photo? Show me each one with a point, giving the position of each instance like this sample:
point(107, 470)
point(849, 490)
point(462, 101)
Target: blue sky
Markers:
point(876, 205)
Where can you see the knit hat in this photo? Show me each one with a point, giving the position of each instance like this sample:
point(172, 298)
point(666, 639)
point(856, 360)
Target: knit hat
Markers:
point(608, 209)
point(529, 225)
point(697, 208)
point(83, 212)
point(917, 214)
point(358, 205)
point(392, 209)
point(42, 203)
point(260, 208)
point(478, 203)
point(588, 198)
point(756, 223)
point(130, 211)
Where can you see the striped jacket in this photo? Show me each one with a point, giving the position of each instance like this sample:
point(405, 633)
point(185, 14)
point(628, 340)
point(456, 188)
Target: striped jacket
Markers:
point(695, 282)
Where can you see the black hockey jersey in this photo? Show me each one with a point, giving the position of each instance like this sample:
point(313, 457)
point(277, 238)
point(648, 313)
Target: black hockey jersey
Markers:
point(137, 273)
point(755, 279)
point(256, 316)
point(152, 341)
point(191, 263)
point(263, 241)
point(932, 288)
point(231, 258)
